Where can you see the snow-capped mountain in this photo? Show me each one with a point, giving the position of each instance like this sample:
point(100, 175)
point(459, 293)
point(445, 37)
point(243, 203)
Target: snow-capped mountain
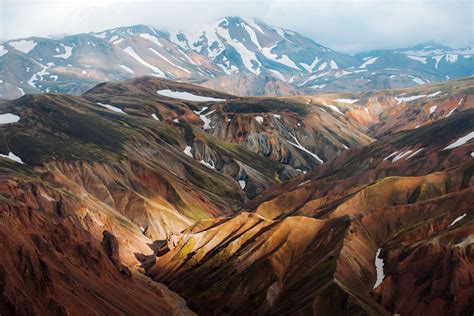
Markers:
point(76, 63)
point(421, 64)
point(239, 55)
point(245, 44)
point(429, 56)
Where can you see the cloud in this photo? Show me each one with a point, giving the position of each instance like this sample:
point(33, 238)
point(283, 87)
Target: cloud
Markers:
point(344, 25)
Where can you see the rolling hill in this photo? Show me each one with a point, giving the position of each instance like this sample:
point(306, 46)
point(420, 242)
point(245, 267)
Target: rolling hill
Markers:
point(157, 197)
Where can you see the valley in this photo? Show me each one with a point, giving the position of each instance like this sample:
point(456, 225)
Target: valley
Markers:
point(155, 196)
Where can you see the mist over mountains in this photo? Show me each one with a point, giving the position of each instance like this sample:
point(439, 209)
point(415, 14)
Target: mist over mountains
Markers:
point(243, 56)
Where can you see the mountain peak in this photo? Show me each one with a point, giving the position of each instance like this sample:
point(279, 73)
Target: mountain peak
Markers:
point(227, 48)
point(431, 45)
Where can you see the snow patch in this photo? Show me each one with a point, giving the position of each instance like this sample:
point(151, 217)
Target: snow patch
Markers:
point(277, 74)
point(204, 118)
point(283, 59)
point(391, 155)
point(127, 69)
point(259, 119)
point(242, 184)
point(350, 101)
point(416, 152)
point(379, 268)
point(266, 51)
point(134, 55)
point(369, 62)
point(168, 61)
point(246, 55)
point(420, 59)
point(3, 51)
point(451, 112)
point(67, 52)
point(113, 38)
point(253, 23)
point(322, 66)
point(434, 94)
point(187, 96)
point(13, 157)
point(39, 75)
point(155, 117)
point(309, 68)
point(437, 59)
point(433, 109)
point(401, 155)
point(111, 107)
point(461, 141)
point(100, 35)
point(451, 58)
point(24, 46)
point(408, 99)
point(299, 146)
point(417, 80)
point(209, 164)
point(188, 152)
point(334, 108)
point(8, 118)
point(307, 80)
point(459, 218)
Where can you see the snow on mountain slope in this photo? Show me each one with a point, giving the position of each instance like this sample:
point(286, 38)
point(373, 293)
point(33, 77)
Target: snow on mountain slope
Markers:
point(251, 45)
point(238, 55)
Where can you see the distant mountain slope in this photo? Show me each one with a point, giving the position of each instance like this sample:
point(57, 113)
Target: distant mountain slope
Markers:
point(242, 56)
point(235, 43)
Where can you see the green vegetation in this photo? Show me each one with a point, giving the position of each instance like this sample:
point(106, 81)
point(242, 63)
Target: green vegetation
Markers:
point(265, 105)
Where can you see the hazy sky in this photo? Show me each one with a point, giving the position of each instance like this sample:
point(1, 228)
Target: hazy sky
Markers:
point(344, 25)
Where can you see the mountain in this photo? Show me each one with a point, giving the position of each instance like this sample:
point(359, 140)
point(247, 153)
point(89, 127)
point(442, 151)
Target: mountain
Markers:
point(153, 196)
point(242, 56)
point(309, 245)
point(103, 177)
point(235, 43)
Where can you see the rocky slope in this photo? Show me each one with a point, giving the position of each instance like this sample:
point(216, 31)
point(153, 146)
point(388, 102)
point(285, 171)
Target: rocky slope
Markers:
point(199, 190)
point(59, 258)
point(243, 56)
point(161, 173)
point(304, 131)
point(411, 215)
point(88, 188)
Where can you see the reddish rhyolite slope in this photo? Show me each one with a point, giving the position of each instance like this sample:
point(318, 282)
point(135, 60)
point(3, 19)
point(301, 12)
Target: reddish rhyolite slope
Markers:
point(309, 245)
point(59, 255)
point(108, 176)
point(86, 189)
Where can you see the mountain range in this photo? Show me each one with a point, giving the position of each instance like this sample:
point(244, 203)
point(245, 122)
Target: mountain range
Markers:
point(241, 56)
point(151, 196)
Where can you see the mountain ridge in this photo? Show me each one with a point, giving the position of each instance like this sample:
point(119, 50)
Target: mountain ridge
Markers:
point(243, 56)
point(336, 203)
